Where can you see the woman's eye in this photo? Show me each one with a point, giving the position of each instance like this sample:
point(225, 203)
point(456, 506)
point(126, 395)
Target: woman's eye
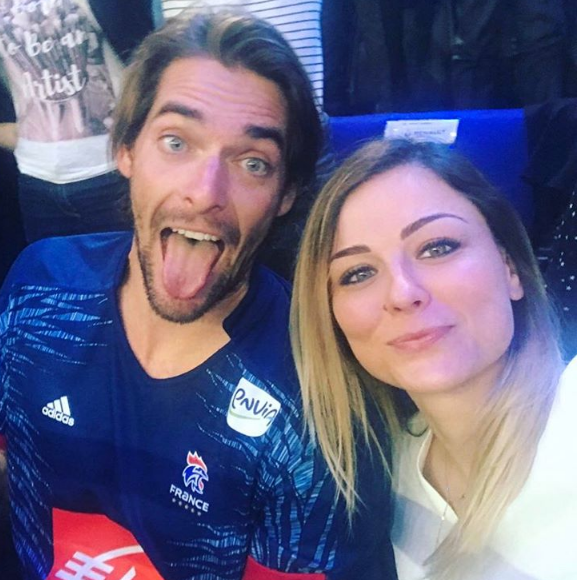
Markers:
point(256, 166)
point(438, 248)
point(173, 143)
point(356, 275)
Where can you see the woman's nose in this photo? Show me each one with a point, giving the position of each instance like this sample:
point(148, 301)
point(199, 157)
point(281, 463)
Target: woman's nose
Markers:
point(405, 292)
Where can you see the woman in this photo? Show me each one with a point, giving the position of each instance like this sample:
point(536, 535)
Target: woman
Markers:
point(416, 290)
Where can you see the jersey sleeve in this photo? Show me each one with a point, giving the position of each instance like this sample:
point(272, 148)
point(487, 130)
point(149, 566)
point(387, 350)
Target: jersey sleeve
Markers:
point(24, 267)
point(4, 332)
point(303, 530)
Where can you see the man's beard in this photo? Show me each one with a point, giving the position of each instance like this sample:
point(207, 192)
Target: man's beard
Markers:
point(227, 284)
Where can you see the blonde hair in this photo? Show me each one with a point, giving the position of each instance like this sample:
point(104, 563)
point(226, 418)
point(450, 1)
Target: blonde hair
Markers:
point(337, 391)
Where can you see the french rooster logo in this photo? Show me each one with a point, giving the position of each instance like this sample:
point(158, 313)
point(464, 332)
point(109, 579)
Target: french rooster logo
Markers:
point(195, 474)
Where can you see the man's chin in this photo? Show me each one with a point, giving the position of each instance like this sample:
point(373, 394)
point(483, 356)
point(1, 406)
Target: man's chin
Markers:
point(178, 315)
point(179, 311)
point(186, 311)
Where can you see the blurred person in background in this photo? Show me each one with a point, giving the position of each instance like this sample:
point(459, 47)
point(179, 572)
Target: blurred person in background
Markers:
point(63, 60)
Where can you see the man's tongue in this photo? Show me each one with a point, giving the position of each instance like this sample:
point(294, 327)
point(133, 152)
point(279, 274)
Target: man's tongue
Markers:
point(186, 266)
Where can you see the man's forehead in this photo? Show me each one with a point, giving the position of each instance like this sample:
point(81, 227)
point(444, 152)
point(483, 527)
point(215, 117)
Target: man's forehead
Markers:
point(202, 87)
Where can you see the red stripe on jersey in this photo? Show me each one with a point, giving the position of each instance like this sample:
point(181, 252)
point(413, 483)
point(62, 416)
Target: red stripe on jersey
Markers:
point(93, 546)
point(255, 571)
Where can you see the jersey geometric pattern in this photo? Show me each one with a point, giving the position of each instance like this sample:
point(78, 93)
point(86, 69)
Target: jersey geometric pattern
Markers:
point(157, 457)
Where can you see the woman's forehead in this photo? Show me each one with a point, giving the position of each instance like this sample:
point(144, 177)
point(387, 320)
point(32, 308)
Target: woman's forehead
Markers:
point(405, 193)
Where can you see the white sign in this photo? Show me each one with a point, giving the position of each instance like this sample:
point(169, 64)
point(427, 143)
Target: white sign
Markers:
point(440, 130)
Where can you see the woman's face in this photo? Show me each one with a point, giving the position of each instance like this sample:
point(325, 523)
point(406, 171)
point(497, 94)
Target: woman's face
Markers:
point(419, 287)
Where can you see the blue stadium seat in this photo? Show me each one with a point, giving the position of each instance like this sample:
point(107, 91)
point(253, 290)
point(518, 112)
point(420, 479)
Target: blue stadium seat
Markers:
point(494, 140)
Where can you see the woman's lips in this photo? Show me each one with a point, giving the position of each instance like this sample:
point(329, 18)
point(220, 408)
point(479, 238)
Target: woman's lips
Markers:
point(420, 340)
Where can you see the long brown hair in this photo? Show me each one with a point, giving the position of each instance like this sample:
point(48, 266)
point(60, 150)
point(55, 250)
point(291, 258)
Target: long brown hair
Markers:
point(235, 39)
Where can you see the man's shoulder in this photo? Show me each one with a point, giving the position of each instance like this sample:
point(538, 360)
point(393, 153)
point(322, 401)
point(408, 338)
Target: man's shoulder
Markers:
point(89, 262)
point(277, 289)
point(259, 328)
point(265, 307)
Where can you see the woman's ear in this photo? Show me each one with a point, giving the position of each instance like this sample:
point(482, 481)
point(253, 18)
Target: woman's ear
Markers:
point(514, 283)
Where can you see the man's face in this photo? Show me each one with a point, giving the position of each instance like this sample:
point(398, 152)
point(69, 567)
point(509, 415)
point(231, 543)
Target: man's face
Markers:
point(206, 174)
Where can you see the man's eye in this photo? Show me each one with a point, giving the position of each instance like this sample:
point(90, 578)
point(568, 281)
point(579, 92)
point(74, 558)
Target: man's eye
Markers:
point(438, 248)
point(173, 143)
point(256, 166)
point(356, 275)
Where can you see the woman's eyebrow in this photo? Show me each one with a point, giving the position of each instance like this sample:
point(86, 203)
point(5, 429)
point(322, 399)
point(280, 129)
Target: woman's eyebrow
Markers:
point(418, 224)
point(405, 233)
point(350, 251)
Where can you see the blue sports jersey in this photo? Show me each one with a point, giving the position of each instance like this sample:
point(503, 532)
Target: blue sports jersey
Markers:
point(115, 475)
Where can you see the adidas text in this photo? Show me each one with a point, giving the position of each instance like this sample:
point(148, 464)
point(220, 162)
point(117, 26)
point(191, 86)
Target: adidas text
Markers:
point(59, 410)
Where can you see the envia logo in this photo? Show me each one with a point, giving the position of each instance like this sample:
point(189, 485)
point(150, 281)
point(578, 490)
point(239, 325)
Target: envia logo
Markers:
point(251, 410)
point(195, 474)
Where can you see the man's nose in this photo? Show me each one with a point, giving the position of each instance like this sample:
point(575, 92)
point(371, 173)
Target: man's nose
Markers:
point(208, 184)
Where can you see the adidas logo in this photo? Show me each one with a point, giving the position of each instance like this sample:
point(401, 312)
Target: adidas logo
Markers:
point(59, 410)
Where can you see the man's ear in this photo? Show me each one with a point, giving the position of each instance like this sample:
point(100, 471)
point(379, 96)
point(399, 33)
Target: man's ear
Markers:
point(287, 201)
point(515, 286)
point(125, 161)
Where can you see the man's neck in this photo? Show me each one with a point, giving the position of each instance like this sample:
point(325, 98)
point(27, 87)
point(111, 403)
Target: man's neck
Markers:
point(164, 348)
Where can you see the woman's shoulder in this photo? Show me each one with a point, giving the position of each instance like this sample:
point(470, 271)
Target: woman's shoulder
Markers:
point(564, 407)
point(569, 376)
point(537, 534)
point(554, 465)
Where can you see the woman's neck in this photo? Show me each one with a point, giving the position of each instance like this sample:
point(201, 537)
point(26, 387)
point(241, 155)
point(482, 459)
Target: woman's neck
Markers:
point(454, 423)
point(454, 413)
point(454, 417)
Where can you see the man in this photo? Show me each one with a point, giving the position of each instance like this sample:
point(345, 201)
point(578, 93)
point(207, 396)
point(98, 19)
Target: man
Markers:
point(63, 61)
point(299, 23)
point(149, 400)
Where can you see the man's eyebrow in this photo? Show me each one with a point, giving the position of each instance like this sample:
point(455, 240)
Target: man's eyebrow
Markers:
point(418, 224)
point(254, 131)
point(179, 109)
point(350, 251)
point(272, 133)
